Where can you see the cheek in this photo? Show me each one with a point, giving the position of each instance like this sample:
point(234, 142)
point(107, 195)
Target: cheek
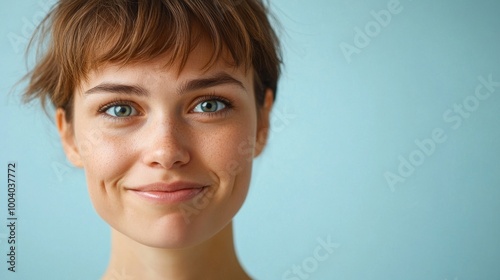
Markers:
point(227, 156)
point(229, 152)
point(230, 160)
point(105, 160)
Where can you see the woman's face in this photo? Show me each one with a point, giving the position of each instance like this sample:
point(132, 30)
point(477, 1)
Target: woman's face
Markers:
point(167, 156)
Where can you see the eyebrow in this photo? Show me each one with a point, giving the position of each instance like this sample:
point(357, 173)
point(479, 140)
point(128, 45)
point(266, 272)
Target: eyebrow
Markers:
point(118, 88)
point(221, 78)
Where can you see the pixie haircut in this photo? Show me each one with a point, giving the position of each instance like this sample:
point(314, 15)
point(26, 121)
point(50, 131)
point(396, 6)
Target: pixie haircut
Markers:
point(78, 36)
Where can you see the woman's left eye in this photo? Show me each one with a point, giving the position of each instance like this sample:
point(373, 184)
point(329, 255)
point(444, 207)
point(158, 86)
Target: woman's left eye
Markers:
point(209, 106)
point(121, 111)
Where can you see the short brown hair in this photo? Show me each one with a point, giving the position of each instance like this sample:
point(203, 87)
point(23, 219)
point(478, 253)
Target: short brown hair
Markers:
point(80, 35)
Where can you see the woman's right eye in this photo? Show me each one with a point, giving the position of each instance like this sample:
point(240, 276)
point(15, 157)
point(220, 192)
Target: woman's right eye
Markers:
point(120, 111)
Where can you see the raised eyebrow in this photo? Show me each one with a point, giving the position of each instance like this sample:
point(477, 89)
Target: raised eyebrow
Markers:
point(118, 88)
point(221, 78)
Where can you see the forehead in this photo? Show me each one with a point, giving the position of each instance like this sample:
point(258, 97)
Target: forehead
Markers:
point(200, 62)
point(197, 72)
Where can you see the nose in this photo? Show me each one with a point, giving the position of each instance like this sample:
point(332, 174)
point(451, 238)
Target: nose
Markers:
point(166, 145)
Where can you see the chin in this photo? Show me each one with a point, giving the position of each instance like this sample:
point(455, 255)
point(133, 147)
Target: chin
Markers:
point(169, 232)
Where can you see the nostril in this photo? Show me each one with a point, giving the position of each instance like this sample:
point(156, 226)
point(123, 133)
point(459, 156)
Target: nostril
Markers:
point(166, 156)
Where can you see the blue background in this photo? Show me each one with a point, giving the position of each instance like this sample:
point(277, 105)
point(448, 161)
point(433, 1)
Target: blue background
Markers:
point(341, 123)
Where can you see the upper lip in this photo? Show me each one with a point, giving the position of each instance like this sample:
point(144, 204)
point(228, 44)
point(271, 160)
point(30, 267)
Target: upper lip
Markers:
point(167, 187)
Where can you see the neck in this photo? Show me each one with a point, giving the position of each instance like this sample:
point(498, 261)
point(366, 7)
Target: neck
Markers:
point(213, 259)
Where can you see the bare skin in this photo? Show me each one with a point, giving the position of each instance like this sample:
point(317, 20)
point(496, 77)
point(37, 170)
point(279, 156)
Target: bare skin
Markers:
point(144, 124)
point(211, 260)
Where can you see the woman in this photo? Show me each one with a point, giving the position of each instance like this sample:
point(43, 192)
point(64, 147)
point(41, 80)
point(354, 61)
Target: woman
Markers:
point(164, 104)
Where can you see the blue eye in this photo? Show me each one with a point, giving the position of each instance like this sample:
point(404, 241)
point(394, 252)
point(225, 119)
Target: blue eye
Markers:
point(209, 106)
point(121, 111)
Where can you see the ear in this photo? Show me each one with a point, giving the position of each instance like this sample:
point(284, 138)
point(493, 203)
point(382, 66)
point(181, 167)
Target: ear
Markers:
point(67, 136)
point(263, 122)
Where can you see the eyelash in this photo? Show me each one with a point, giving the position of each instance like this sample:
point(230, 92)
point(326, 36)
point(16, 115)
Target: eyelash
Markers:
point(229, 105)
point(117, 102)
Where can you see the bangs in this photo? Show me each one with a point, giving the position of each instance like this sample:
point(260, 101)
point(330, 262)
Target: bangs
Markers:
point(124, 31)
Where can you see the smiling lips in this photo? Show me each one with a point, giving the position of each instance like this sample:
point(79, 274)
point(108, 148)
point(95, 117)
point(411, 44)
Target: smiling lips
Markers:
point(168, 193)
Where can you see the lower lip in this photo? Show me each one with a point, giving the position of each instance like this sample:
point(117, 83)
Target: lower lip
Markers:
point(169, 197)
